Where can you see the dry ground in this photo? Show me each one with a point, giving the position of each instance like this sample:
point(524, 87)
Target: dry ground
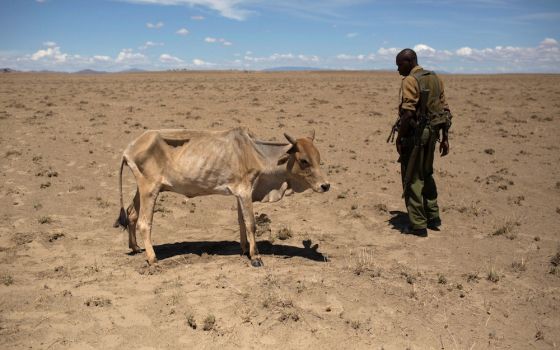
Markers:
point(346, 278)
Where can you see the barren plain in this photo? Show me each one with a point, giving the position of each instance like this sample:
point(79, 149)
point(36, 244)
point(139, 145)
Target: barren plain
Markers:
point(338, 273)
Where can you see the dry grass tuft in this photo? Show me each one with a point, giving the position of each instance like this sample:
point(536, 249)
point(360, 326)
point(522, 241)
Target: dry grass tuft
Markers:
point(519, 265)
point(361, 262)
point(507, 229)
point(492, 275)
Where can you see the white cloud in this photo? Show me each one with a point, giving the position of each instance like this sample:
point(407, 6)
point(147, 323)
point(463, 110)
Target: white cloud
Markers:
point(464, 51)
point(127, 56)
point(360, 57)
point(544, 56)
point(282, 59)
point(549, 42)
point(217, 40)
point(197, 18)
point(102, 58)
point(51, 53)
point(306, 58)
point(149, 44)
point(182, 31)
point(425, 50)
point(351, 35)
point(200, 63)
point(226, 8)
point(157, 25)
point(166, 58)
point(392, 51)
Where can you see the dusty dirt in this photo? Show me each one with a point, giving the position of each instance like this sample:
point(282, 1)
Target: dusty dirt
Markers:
point(338, 272)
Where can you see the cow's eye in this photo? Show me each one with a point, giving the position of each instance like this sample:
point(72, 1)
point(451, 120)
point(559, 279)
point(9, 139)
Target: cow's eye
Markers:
point(304, 163)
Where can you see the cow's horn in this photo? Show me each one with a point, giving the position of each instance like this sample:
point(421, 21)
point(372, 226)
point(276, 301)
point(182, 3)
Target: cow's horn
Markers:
point(312, 134)
point(289, 138)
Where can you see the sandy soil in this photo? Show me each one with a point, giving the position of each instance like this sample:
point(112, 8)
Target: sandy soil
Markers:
point(488, 280)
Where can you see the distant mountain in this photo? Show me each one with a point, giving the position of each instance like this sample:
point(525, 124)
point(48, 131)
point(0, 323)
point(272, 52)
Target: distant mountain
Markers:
point(290, 69)
point(7, 70)
point(89, 71)
point(132, 70)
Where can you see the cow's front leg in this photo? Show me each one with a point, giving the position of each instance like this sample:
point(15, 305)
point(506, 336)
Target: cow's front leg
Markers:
point(242, 228)
point(148, 199)
point(246, 205)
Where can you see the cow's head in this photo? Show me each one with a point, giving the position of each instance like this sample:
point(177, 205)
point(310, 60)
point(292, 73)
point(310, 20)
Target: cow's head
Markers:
point(303, 164)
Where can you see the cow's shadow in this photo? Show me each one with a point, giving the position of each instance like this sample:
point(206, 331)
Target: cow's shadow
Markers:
point(169, 250)
point(399, 220)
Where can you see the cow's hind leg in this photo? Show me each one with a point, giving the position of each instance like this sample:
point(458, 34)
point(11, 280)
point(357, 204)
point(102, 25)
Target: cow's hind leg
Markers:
point(242, 229)
point(148, 194)
point(246, 205)
point(132, 213)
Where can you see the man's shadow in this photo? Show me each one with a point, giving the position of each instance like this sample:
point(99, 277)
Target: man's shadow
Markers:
point(308, 250)
point(398, 220)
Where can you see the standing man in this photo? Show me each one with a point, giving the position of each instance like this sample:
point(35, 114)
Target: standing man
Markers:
point(423, 114)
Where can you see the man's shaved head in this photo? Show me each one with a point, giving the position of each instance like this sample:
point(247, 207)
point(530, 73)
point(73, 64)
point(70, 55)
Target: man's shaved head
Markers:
point(408, 54)
point(406, 60)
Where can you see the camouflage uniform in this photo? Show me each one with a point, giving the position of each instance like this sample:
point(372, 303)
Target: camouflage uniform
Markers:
point(421, 194)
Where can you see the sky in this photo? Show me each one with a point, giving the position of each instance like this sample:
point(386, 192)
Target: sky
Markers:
point(455, 36)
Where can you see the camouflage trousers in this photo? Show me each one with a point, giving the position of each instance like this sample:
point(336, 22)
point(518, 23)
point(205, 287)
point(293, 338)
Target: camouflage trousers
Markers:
point(421, 195)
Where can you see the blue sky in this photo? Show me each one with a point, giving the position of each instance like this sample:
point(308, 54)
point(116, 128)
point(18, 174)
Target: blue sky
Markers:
point(462, 36)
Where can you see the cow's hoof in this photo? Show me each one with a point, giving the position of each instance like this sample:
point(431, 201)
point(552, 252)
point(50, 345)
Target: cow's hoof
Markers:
point(152, 261)
point(256, 262)
point(135, 250)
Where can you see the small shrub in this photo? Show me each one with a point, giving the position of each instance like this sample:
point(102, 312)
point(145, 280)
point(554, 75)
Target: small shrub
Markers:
point(284, 233)
point(98, 301)
point(45, 220)
point(473, 277)
point(7, 280)
point(209, 323)
point(555, 262)
point(539, 335)
point(442, 279)
point(519, 265)
point(191, 321)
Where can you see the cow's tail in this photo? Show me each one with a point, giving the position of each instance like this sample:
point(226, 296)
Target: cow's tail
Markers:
point(122, 220)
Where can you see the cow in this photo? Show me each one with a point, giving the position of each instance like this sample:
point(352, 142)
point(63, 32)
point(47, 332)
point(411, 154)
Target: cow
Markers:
point(231, 162)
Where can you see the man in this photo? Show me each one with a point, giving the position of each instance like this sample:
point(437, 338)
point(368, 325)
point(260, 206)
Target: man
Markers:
point(421, 121)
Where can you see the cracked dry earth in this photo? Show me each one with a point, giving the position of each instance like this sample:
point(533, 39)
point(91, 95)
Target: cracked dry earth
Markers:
point(338, 272)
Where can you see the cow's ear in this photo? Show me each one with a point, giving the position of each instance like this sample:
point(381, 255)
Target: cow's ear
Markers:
point(283, 159)
point(286, 156)
point(312, 135)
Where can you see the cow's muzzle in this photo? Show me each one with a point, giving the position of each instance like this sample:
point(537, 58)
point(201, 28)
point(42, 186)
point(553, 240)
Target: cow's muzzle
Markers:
point(324, 187)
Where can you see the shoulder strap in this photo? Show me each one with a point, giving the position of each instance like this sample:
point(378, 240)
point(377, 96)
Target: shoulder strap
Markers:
point(423, 73)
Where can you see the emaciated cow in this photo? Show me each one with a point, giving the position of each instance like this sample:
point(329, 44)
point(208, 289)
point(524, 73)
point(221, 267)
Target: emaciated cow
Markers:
point(232, 162)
